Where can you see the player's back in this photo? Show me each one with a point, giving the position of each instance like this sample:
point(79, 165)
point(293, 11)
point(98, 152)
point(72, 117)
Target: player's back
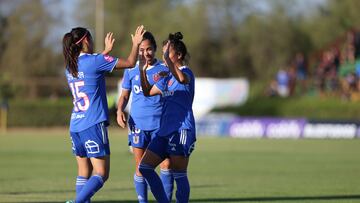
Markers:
point(89, 92)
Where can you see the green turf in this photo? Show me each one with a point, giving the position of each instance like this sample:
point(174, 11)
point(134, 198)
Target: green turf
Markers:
point(37, 166)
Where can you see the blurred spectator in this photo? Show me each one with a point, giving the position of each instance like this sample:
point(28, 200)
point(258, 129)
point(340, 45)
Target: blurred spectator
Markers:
point(301, 71)
point(326, 73)
point(282, 79)
point(347, 72)
point(357, 44)
point(337, 73)
point(291, 72)
point(272, 89)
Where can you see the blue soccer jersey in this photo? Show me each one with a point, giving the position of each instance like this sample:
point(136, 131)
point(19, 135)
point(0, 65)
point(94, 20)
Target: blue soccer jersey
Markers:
point(88, 90)
point(145, 112)
point(177, 111)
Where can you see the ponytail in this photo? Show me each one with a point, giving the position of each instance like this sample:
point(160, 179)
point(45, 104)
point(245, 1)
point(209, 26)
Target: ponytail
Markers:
point(72, 47)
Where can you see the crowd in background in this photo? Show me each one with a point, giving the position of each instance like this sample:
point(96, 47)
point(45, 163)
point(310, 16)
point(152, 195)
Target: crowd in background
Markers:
point(334, 72)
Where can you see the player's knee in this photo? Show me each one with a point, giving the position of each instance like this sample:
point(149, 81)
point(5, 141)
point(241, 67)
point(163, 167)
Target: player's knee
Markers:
point(105, 177)
point(145, 169)
point(165, 165)
point(104, 174)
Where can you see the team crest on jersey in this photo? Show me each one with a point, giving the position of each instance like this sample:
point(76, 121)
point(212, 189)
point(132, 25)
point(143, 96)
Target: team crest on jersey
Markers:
point(92, 147)
point(136, 139)
point(156, 77)
point(108, 58)
point(136, 77)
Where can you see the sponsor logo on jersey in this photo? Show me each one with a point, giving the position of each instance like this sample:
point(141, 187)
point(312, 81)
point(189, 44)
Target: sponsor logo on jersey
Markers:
point(137, 89)
point(108, 58)
point(170, 82)
point(168, 93)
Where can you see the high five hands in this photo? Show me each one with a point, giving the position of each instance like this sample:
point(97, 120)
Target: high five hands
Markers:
point(137, 37)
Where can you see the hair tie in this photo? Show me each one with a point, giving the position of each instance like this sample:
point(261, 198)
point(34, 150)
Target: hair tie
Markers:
point(77, 43)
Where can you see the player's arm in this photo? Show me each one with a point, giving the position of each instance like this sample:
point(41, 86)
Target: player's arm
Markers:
point(122, 103)
point(130, 61)
point(148, 90)
point(177, 73)
point(109, 43)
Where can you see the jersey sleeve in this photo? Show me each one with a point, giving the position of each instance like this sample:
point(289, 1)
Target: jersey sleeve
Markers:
point(162, 83)
point(105, 63)
point(188, 73)
point(126, 83)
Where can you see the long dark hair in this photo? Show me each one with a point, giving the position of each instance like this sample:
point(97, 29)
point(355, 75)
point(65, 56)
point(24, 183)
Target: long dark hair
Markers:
point(72, 46)
point(179, 46)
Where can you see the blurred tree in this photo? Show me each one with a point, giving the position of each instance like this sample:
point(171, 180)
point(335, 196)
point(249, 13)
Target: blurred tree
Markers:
point(229, 38)
point(25, 54)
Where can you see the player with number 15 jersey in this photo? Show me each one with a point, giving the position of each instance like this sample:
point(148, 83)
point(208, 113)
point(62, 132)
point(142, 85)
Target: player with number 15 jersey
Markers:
point(88, 89)
point(85, 73)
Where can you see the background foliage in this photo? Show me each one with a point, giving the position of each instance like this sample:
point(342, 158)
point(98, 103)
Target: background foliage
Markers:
point(230, 38)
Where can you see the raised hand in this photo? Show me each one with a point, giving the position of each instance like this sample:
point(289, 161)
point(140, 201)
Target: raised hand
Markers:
point(142, 62)
point(109, 43)
point(166, 52)
point(137, 37)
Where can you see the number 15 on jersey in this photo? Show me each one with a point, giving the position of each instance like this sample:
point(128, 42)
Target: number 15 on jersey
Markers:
point(80, 99)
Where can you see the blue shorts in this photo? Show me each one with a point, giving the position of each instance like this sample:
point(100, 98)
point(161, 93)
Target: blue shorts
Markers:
point(92, 142)
point(140, 138)
point(180, 143)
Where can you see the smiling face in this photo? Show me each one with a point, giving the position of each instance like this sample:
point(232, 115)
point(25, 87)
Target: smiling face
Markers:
point(147, 49)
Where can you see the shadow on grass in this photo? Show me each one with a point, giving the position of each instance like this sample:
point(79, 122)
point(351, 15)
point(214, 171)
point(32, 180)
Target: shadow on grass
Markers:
point(248, 199)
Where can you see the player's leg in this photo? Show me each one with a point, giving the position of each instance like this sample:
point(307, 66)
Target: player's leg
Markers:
point(165, 172)
point(167, 178)
point(139, 181)
point(181, 146)
point(83, 163)
point(179, 170)
point(96, 144)
point(84, 172)
point(153, 156)
point(101, 168)
point(139, 140)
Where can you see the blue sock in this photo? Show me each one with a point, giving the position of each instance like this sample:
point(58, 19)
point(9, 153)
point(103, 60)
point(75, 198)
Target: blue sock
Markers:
point(183, 186)
point(80, 182)
point(141, 188)
point(154, 182)
point(89, 189)
point(167, 180)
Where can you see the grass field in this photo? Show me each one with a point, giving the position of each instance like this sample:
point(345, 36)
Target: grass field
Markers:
point(36, 165)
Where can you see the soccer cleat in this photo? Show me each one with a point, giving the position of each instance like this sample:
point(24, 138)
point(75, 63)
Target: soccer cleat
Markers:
point(70, 201)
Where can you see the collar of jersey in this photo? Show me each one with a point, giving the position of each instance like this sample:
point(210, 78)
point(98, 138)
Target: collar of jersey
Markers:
point(152, 66)
point(182, 67)
point(82, 54)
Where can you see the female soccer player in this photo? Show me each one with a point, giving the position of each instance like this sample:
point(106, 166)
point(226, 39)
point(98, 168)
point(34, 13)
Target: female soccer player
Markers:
point(145, 113)
point(176, 136)
point(89, 119)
